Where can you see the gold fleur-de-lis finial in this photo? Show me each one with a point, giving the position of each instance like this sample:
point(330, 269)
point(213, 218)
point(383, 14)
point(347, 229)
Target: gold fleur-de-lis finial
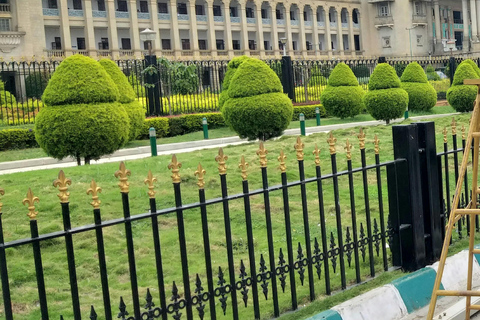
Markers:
point(454, 126)
point(262, 153)
point(150, 182)
point(299, 149)
point(316, 153)
point(444, 135)
point(331, 142)
point(2, 192)
point(463, 132)
point(348, 148)
point(31, 199)
point(221, 159)
point(123, 174)
point(94, 190)
point(361, 138)
point(243, 166)
point(200, 173)
point(175, 167)
point(281, 158)
point(376, 142)
point(62, 183)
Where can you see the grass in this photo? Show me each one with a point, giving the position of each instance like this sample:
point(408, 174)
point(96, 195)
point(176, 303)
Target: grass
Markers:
point(20, 259)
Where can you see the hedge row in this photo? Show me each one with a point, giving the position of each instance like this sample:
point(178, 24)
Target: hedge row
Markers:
point(17, 139)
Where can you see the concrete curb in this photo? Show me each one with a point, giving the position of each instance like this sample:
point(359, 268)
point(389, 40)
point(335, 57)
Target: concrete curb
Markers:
point(405, 295)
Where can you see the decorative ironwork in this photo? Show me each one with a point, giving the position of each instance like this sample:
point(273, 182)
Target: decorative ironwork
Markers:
point(348, 148)
point(263, 276)
point(94, 190)
point(150, 182)
point(177, 305)
point(299, 264)
point(93, 314)
point(361, 138)
point(221, 158)
point(175, 167)
point(281, 158)
point(333, 252)
point(376, 142)
point(62, 183)
point(282, 270)
point(222, 290)
point(454, 127)
point(317, 258)
point(198, 299)
point(30, 200)
point(299, 149)
point(2, 192)
point(123, 174)
point(316, 153)
point(200, 173)
point(242, 284)
point(262, 153)
point(331, 142)
point(444, 135)
point(376, 237)
point(362, 241)
point(348, 247)
point(243, 166)
point(123, 314)
point(463, 132)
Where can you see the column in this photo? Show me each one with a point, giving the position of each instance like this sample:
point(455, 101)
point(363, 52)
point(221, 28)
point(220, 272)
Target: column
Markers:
point(362, 31)
point(65, 28)
point(193, 30)
point(276, 49)
point(351, 38)
point(478, 16)
point(315, 32)
point(466, 39)
point(90, 32)
point(258, 16)
point(339, 31)
point(154, 17)
point(212, 40)
point(112, 29)
point(301, 34)
point(430, 27)
point(438, 24)
point(243, 17)
point(134, 31)
point(228, 29)
point(328, 35)
point(473, 13)
point(174, 27)
point(289, 36)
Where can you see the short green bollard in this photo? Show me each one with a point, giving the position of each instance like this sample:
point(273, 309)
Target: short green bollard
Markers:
point(153, 141)
point(205, 128)
point(317, 114)
point(406, 114)
point(302, 124)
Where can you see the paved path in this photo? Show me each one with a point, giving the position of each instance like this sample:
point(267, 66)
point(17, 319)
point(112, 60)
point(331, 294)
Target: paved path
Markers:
point(183, 147)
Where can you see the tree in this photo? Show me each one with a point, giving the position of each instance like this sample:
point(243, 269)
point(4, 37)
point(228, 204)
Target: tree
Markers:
point(421, 94)
point(462, 97)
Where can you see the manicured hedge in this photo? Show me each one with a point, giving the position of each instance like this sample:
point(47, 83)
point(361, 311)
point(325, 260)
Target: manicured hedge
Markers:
point(17, 139)
point(462, 97)
point(308, 111)
point(160, 124)
point(421, 94)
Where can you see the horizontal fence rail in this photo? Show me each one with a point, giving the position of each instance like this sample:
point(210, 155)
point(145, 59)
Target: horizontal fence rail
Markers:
point(262, 280)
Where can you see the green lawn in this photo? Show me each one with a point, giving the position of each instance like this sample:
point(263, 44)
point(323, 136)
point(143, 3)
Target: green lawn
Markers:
point(20, 260)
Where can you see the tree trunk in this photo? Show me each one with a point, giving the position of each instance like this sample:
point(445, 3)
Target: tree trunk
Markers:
point(79, 161)
point(87, 160)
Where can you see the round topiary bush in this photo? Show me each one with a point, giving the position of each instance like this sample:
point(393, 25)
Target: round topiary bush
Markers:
point(231, 69)
point(460, 96)
point(473, 65)
point(421, 94)
point(81, 117)
point(126, 97)
point(343, 97)
point(385, 99)
point(257, 106)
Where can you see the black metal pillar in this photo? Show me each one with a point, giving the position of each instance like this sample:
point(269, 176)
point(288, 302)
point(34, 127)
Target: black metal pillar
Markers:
point(452, 69)
point(153, 88)
point(382, 60)
point(287, 77)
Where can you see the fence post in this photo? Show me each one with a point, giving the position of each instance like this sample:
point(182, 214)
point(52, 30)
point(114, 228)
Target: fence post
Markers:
point(382, 60)
point(287, 77)
point(409, 194)
point(452, 69)
point(154, 101)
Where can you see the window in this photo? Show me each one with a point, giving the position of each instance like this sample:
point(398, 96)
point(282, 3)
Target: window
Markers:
point(202, 44)
point(233, 12)
point(319, 16)
point(144, 6)
point(356, 39)
point(101, 5)
point(457, 17)
point(126, 45)
point(249, 12)
point(386, 42)
point(199, 10)
point(185, 44)
point(418, 8)
point(77, 4)
point(103, 44)
point(57, 45)
point(266, 45)
point(355, 16)
point(182, 8)
point(220, 45)
point(252, 45)
point(279, 14)
point(162, 7)
point(217, 11)
point(81, 44)
point(166, 44)
point(309, 46)
point(305, 16)
point(52, 4)
point(383, 9)
point(236, 44)
point(294, 45)
point(122, 6)
point(292, 15)
point(419, 41)
point(264, 14)
point(5, 25)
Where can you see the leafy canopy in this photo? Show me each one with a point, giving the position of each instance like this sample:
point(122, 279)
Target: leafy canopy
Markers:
point(383, 77)
point(414, 73)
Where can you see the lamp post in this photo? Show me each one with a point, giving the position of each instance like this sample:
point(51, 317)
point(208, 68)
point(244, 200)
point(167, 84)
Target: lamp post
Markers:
point(153, 88)
point(284, 45)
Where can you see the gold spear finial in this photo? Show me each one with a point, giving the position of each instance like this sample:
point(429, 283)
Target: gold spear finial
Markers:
point(123, 174)
point(299, 149)
point(463, 132)
point(377, 145)
point(316, 152)
point(31, 199)
point(444, 135)
point(281, 158)
point(150, 182)
point(454, 126)
point(262, 153)
point(62, 183)
point(2, 192)
point(348, 147)
point(94, 190)
point(331, 142)
point(361, 138)
point(244, 165)
point(200, 173)
point(175, 167)
point(221, 159)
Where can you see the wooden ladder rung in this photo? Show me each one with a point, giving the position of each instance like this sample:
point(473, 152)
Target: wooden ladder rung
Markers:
point(467, 211)
point(475, 307)
point(452, 293)
point(476, 251)
point(476, 134)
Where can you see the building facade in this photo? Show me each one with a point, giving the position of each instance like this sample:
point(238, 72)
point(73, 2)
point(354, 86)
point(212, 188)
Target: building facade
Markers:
point(216, 29)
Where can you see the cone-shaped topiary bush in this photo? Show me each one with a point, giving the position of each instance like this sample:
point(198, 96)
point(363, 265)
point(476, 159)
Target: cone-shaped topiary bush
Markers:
point(231, 69)
point(460, 96)
point(474, 66)
point(126, 97)
point(257, 106)
point(385, 100)
point(81, 117)
point(343, 97)
point(421, 94)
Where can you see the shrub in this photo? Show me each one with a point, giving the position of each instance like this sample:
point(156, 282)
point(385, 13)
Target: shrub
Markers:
point(473, 65)
point(385, 100)
point(160, 124)
point(399, 68)
point(35, 84)
point(7, 99)
point(361, 71)
point(421, 95)
point(464, 71)
point(308, 112)
point(343, 96)
point(460, 96)
point(137, 85)
point(17, 139)
point(232, 68)
point(431, 74)
point(257, 107)
point(193, 122)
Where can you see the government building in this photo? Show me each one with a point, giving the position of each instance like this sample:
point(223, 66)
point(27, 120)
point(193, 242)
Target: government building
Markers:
point(216, 29)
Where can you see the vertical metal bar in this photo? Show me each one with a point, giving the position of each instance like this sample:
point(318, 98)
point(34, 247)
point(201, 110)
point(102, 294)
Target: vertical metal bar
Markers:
point(37, 256)
point(102, 262)
point(380, 206)
point(367, 213)
point(7, 302)
point(394, 217)
point(354, 220)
